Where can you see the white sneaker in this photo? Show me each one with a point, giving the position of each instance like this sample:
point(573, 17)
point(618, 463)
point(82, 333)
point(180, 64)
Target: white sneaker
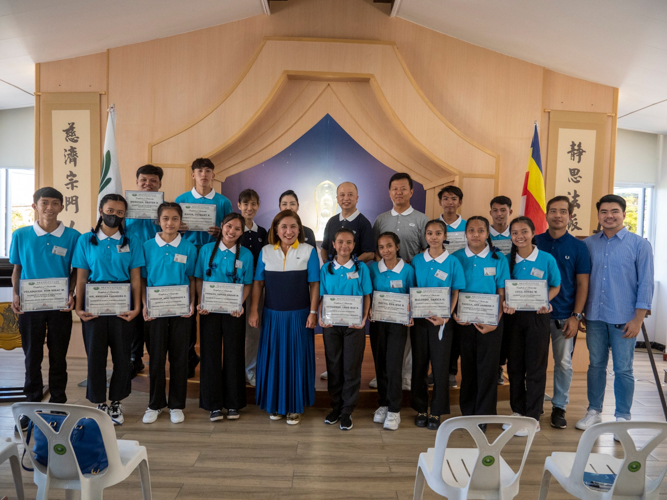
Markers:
point(151, 416)
point(407, 384)
point(324, 375)
point(524, 432)
point(373, 384)
point(507, 426)
point(293, 418)
point(392, 421)
point(592, 417)
point(380, 414)
point(176, 416)
point(620, 419)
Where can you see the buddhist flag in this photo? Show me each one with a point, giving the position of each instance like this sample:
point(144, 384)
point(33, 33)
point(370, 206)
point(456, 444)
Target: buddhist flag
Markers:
point(533, 197)
point(110, 175)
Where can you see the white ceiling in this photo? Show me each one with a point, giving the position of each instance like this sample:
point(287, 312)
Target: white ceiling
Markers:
point(622, 43)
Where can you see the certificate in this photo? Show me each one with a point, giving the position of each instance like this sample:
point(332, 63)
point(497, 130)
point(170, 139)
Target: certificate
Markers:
point(199, 216)
point(478, 308)
point(342, 310)
point(167, 301)
point(108, 299)
point(526, 295)
point(49, 294)
point(457, 241)
point(143, 204)
point(430, 301)
point(391, 307)
point(221, 298)
point(505, 246)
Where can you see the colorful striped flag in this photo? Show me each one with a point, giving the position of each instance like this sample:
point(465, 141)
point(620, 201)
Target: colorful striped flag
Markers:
point(533, 197)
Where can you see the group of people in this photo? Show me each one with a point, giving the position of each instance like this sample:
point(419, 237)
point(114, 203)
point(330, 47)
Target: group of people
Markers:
point(269, 341)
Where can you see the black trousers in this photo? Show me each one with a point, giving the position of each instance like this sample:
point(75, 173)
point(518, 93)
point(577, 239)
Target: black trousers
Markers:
point(33, 328)
point(168, 335)
point(344, 352)
point(504, 350)
point(479, 369)
point(528, 358)
point(100, 335)
point(427, 347)
point(388, 345)
point(222, 371)
point(455, 352)
point(140, 336)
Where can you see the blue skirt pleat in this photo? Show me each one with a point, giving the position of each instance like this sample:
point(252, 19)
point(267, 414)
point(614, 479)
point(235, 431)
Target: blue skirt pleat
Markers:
point(285, 362)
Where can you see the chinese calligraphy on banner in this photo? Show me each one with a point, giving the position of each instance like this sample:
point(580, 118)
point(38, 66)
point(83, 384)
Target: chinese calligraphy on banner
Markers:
point(575, 164)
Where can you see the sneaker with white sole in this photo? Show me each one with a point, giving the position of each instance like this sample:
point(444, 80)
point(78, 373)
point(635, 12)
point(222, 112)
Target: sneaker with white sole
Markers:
point(275, 416)
point(380, 414)
point(507, 426)
point(592, 417)
point(293, 418)
point(116, 412)
point(151, 416)
point(620, 419)
point(524, 432)
point(324, 376)
point(452, 381)
point(392, 421)
point(373, 384)
point(407, 384)
point(176, 416)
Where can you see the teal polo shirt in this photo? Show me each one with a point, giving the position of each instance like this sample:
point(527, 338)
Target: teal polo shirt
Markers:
point(168, 264)
point(141, 230)
point(443, 271)
point(537, 266)
point(224, 206)
point(483, 273)
point(107, 261)
point(345, 280)
point(397, 280)
point(224, 260)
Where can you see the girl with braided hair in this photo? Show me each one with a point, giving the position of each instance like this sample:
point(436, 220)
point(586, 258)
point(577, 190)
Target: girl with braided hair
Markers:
point(222, 372)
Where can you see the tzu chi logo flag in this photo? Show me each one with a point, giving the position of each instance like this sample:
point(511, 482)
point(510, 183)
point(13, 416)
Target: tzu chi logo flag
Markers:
point(110, 176)
point(533, 197)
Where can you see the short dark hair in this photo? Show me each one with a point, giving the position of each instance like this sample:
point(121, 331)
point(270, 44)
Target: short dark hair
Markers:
point(501, 200)
point(248, 194)
point(399, 176)
point(289, 192)
point(150, 170)
point(169, 205)
point(455, 190)
point(47, 192)
point(570, 206)
point(611, 198)
point(202, 163)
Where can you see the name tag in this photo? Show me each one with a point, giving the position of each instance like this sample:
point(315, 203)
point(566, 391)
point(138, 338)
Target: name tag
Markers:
point(238, 264)
point(396, 283)
point(353, 276)
point(441, 275)
point(59, 251)
point(411, 224)
point(538, 273)
point(181, 259)
point(489, 271)
point(124, 249)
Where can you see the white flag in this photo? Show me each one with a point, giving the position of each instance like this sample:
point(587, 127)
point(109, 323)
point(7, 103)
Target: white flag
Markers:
point(110, 177)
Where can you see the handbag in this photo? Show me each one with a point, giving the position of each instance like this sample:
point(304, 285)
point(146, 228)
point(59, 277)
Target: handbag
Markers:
point(86, 439)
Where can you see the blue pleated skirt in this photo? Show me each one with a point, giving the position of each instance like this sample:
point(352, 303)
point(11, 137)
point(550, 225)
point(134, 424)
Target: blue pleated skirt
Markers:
point(285, 362)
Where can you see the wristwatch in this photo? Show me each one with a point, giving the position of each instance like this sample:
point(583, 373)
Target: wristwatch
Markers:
point(579, 316)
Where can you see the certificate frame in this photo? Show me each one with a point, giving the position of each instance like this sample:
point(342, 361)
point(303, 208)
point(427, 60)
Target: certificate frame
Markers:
point(384, 314)
point(209, 286)
point(108, 287)
point(503, 245)
point(24, 291)
point(155, 294)
point(430, 293)
point(333, 315)
point(196, 224)
point(456, 242)
point(147, 213)
point(514, 299)
point(466, 315)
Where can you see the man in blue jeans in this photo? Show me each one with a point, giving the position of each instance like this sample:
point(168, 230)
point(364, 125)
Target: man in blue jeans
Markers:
point(620, 294)
point(574, 264)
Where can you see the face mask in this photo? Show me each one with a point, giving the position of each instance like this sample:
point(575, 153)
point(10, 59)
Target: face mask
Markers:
point(112, 221)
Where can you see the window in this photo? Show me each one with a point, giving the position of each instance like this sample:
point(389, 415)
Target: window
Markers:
point(16, 190)
point(638, 212)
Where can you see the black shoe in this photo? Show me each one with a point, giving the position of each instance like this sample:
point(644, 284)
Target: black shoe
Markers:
point(433, 422)
point(501, 378)
point(421, 419)
point(25, 423)
point(332, 417)
point(217, 415)
point(192, 365)
point(483, 428)
point(558, 418)
point(137, 367)
point(345, 422)
point(429, 380)
point(232, 414)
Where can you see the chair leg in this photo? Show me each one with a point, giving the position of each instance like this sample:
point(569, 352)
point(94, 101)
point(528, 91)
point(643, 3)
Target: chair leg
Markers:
point(145, 477)
point(18, 478)
point(544, 487)
point(419, 485)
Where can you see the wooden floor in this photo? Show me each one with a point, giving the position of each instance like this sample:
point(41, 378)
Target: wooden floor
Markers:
point(255, 458)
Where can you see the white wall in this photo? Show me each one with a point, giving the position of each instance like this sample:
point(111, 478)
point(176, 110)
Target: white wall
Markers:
point(17, 138)
point(637, 157)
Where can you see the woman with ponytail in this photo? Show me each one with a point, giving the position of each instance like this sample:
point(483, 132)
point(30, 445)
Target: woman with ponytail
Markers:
point(485, 272)
point(222, 372)
point(107, 255)
point(344, 345)
point(529, 330)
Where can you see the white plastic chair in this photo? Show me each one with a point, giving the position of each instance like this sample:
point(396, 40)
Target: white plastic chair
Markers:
point(9, 451)
point(62, 470)
point(459, 473)
point(631, 481)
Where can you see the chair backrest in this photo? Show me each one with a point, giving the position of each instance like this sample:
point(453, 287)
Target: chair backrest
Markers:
point(62, 462)
point(631, 476)
point(485, 474)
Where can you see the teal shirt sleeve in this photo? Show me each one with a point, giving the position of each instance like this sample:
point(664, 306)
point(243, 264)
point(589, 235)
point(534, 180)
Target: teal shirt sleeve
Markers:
point(313, 266)
point(553, 278)
point(502, 272)
point(323, 281)
point(144, 272)
point(202, 262)
point(246, 258)
point(14, 256)
point(410, 279)
point(79, 260)
point(365, 276)
point(191, 264)
point(459, 279)
point(136, 255)
point(259, 271)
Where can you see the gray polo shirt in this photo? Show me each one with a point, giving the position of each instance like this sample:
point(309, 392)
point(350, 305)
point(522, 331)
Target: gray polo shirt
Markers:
point(409, 226)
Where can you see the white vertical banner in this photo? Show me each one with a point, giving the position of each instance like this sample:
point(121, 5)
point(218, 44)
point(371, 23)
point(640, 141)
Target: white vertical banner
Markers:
point(110, 181)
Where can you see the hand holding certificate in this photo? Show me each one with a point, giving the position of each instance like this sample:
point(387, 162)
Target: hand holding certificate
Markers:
point(143, 204)
point(50, 294)
point(391, 307)
point(221, 298)
point(430, 301)
point(198, 216)
point(526, 295)
point(479, 308)
point(342, 310)
point(167, 301)
point(108, 299)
